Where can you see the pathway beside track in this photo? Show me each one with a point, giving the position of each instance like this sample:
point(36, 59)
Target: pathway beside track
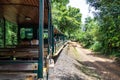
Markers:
point(77, 63)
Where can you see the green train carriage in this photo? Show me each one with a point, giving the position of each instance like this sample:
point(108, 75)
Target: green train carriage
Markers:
point(27, 39)
point(23, 52)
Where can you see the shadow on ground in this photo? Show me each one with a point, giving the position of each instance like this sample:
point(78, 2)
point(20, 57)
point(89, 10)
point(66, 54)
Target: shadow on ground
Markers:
point(55, 58)
point(99, 69)
point(70, 77)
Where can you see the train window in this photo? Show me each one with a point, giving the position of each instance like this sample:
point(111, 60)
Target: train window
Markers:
point(45, 35)
point(26, 33)
point(8, 33)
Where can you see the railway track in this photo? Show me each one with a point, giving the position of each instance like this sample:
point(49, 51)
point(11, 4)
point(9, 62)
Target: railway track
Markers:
point(77, 63)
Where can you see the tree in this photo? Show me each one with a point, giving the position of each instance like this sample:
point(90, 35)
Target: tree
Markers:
point(89, 32)
point(108, 16)
point(67, 19)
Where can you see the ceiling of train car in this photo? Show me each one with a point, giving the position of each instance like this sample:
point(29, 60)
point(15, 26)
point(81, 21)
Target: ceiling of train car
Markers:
point(22, 11)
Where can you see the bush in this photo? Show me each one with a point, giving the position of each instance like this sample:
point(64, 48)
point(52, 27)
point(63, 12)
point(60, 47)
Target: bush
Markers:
point(115, 53)
point(96, 46)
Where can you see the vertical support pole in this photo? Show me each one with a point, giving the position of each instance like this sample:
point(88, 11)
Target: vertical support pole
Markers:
point(49, 27)
point(49, 42)
point(18, 35)
point(53, 42)
point(41, 49)
point(4, 34)
point(64, 38)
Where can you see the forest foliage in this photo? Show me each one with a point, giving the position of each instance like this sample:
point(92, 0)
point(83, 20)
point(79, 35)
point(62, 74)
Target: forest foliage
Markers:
point(107, 15)
point(66, 18)
point(100, 33)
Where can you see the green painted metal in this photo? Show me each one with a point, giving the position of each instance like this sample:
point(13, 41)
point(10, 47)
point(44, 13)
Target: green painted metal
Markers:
point(18, 35)
point(4, 38)
point(53, 42)
point(49, 33)
point(49, 28)
point(41, 49)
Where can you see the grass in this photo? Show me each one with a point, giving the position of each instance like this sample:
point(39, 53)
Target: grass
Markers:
point(90, 72)
point(74, 53)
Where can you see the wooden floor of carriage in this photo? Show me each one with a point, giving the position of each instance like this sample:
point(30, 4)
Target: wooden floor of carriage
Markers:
point(17, 72)
point(23, 70)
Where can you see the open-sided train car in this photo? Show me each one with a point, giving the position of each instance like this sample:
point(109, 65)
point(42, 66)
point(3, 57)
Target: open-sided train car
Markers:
point(23, 51)
point(27, 39)
point(59, 41)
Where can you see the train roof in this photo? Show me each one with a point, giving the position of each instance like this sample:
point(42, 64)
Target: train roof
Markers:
point(57, 31)
point(23, 11)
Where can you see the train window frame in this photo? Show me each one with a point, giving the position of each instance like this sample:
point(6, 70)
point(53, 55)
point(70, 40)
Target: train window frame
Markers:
point(26, 33)
point(2, 41)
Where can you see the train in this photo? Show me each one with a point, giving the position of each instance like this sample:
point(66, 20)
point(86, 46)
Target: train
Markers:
point(26, 52)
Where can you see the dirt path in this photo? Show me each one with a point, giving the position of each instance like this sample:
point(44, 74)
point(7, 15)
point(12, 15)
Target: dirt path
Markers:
point(99, 67)
point(77, 63)
point(65, 68)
